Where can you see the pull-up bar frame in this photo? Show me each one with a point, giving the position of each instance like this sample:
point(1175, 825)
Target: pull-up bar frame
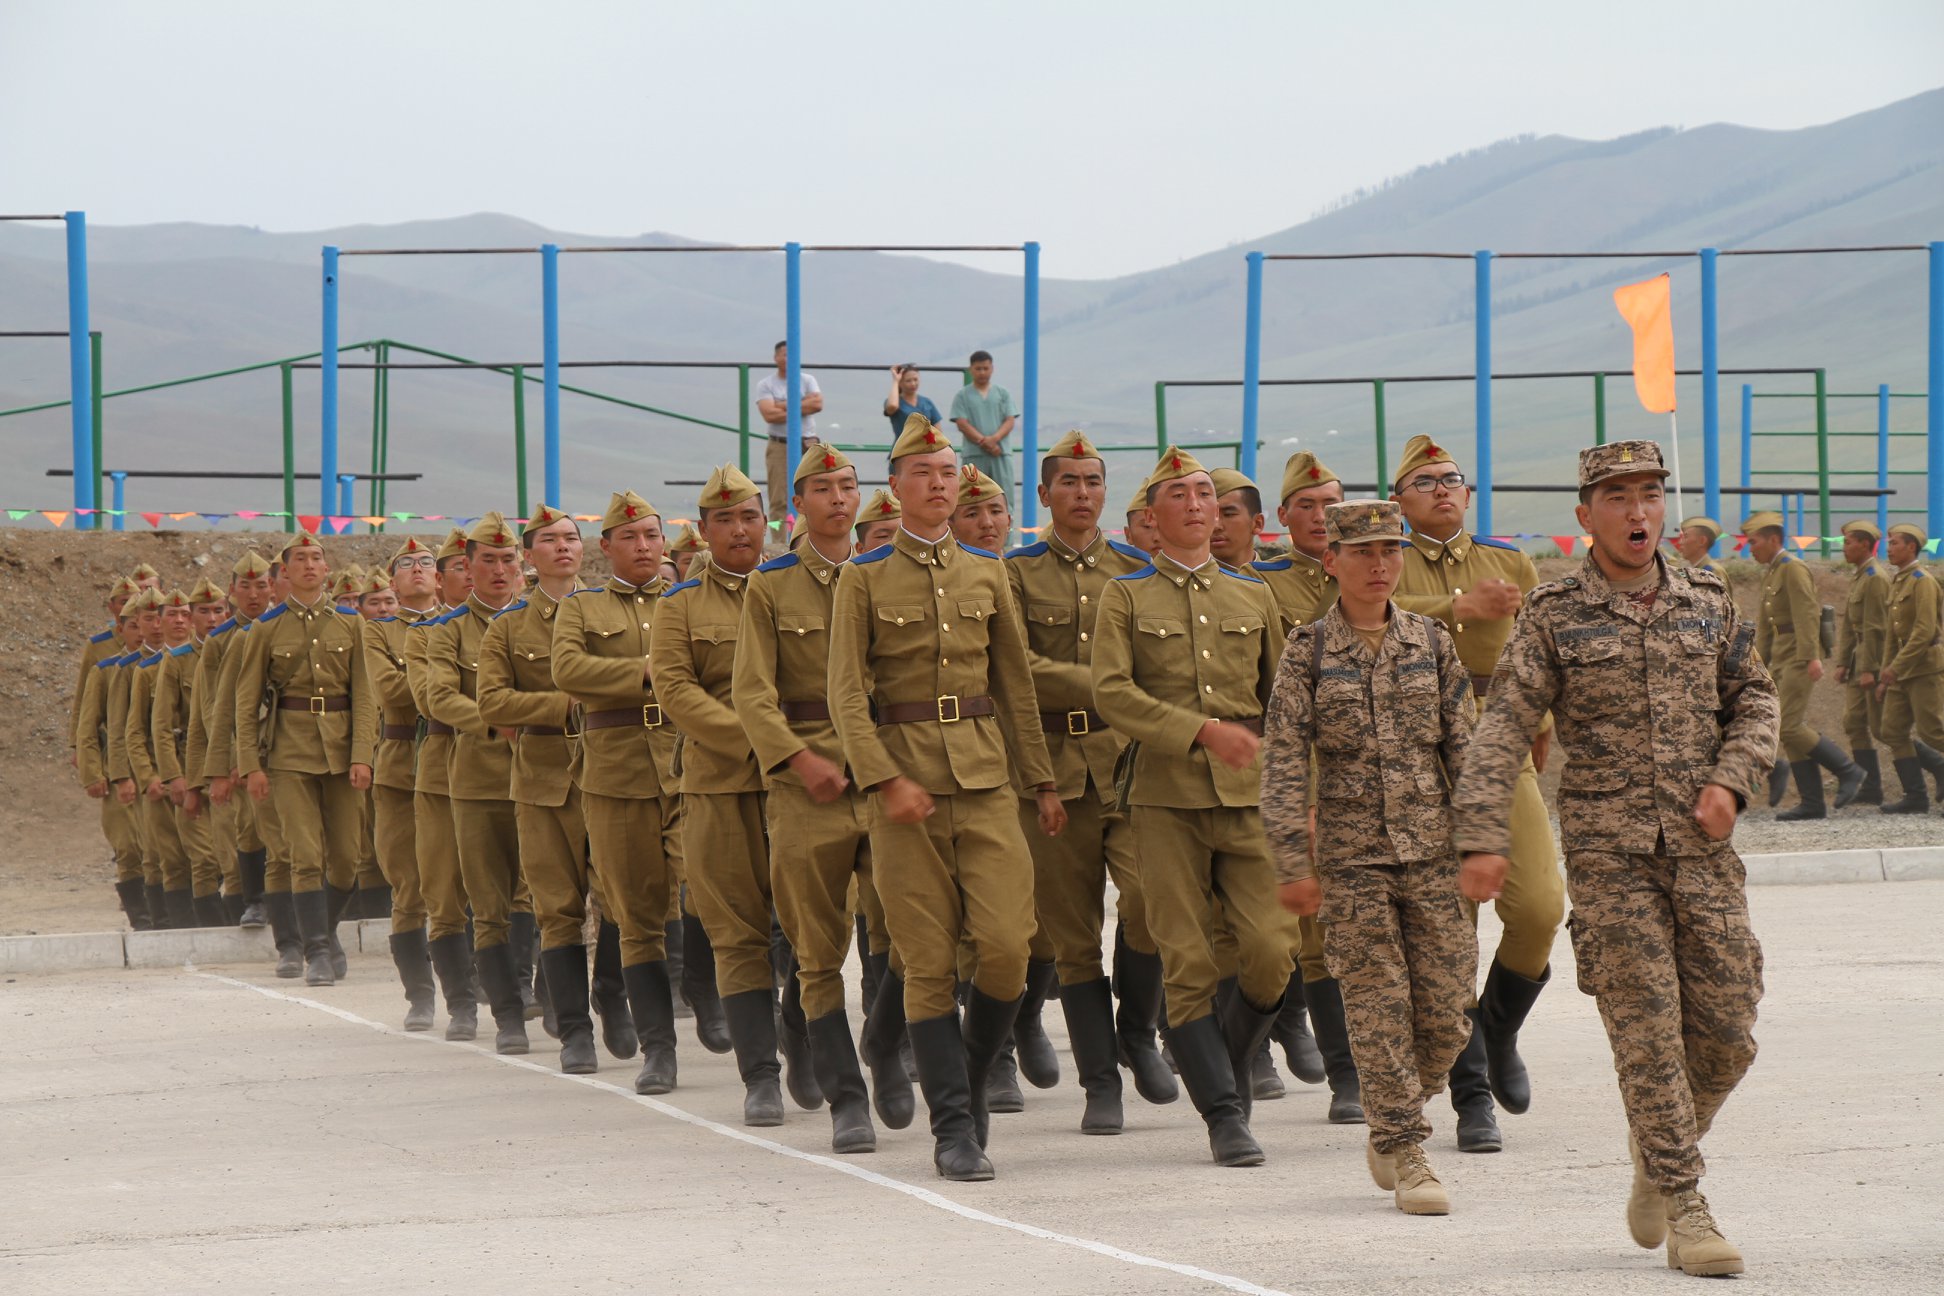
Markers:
point(80, 352)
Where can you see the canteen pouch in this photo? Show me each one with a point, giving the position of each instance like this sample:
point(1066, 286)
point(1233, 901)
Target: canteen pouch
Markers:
point(1826, 631)
point(1124, 775)
point(267, 720)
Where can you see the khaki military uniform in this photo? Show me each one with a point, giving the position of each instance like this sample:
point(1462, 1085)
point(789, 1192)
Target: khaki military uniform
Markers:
point(169, 722)
point(221, 819)
point(1533, 900)
point(441, 882)
point(256, 821)
point(928, 681)
point(307, 664)
point(92, 744)
point(1389, 729)
point(1913, 707)
point(1860, 649)
point(394, 786)
point(1178, 647)
point(817, 851)
point(629, 794)
point(166, 856)
point(1655, 698)
point(1787, 635)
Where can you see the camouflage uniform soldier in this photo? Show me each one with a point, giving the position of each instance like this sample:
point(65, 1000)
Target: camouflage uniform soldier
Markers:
point(1184, 657)
point(1474, 585)
point(1788, 634)
point(91, 751)
point(1859, 653)
point(1695, 541)
point(1911, 682)
point(926, 657)
point(1057, 584)
point(1382, 697)
point(1667, 713)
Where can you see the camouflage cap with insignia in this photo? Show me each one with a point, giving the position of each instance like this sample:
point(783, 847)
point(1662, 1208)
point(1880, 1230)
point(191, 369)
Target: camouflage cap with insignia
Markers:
point(251, 563)
point(542, 517)
point(124, 588)
point(727, 487)
point(817, 460)
point(1912, 530)
point(453, 546)
point(302, 540)
point(1175, 464)
point(1868, 530)
point(1762, 519)
point(1303, 471)
point(687, 540)
point(1074, 445)
point(144, 572)
point(1356, 522)
point(1228, 480)
point(1598, 463)
point(1708, 524)
point(206, 591)
point(1419, 451)
point(492, 529)
point(919, 437)
point(883, 507)
point(625, 507)
point(975, 487)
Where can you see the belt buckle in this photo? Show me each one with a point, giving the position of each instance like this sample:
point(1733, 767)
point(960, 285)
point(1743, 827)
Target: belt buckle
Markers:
point(651, 715)
point(316, 705)
point(1081, 719)
point(941, 700)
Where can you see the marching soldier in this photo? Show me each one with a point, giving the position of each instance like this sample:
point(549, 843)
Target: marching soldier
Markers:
point(238, 820)
point(1859, 653)
point(144, 742)
point(1788, 634)
point(1382, 699)
point(100, 646)
point(1695, 543)
point(983, 518)
point(305, 722)
point(685, 550)
point(693, 646)
point(877, 525)
point(1475, 586)
point(926, 655)
point(517, 692)
point(818, 829)
point(1183, 661)
point(1057, 584)
point(1304, 590)
point(1910, 683)
point(92, 743)
point(146, 623)
point(1667, 713)
point(480, 779)
point(453, 570)
point(1238, 520)
point(877, 521)
point(170, 721)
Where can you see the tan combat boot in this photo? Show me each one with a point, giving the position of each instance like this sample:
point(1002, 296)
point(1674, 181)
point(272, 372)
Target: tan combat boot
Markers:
point(1646, 1204)
point(1694, 1244)
point(1418, 1190)
point(1383, 1165)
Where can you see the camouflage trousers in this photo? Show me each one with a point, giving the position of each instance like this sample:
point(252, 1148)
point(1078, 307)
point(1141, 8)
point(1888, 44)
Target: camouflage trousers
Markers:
point(1664, 946)
point(1404, 950)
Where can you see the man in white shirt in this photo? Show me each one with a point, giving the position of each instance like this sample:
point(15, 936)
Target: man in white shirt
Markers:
point(773, 403)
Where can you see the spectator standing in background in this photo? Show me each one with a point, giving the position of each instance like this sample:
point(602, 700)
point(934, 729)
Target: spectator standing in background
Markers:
point(773, 403)
point(904, 400)
point(985, 415)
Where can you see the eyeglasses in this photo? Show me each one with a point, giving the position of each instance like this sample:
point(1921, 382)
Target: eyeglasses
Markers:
point(424, 560)
point(1425, 485)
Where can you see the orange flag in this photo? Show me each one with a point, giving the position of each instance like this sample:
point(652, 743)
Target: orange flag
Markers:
point(1648, 309)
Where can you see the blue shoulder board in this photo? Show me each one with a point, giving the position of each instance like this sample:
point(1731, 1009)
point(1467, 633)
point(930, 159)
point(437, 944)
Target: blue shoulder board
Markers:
point(1239, 574)
point(878, 554)
point(103, 637)
point(1142, 574)
point(673, 590)
point(182, 650)
point(514, 606)
point(983, 553)
point(224, 628)
point(1126, 550)
point(389, 618)
point(1271, 564)
point(782, 562)
point(592, 589)
point(106, 662)
point(1033, 550)
point(1495, 544)
point(272, 614)
point(150, 661)
point(350, 612)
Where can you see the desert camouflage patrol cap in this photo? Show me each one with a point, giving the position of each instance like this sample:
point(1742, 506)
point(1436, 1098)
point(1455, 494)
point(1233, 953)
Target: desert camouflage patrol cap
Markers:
point(1303, 471)
point(1368, 521)
point(727, 487)
point(1600, 463)
point(1868, 530)
point(818, 460)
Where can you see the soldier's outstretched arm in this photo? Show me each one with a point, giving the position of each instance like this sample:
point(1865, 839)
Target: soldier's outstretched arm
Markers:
point(364, 708)
point(1288, 733)
point(1750, 709)
point(1524, 688)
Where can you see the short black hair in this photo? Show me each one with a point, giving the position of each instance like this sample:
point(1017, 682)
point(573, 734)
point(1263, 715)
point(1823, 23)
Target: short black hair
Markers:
point(780, 346)
point(439, 564)
point(980, 356)
point(1251, 498)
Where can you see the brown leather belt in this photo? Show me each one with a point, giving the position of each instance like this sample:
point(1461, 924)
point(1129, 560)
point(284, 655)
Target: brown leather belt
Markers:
point(948, 708)
point(398, 732)
point(1074, 724)
point(542, 731)
point(1481, 685)
point(647, 716)
point(437, 727)
point(803, 712)
point(314, 705)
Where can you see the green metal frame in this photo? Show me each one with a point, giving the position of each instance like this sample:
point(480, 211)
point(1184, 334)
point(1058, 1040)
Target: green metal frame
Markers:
point(1824, 434)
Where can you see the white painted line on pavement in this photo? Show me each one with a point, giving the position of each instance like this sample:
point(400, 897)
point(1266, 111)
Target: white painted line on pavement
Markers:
point(924, 1195)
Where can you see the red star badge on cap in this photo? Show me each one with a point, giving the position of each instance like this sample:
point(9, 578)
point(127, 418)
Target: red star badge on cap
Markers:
point(931, 437)
point(499, 537)
point(725, 492)
point(629, 510)
point(886, 507)
point(1315, 473)
point(1175, 463)
point(1435, 451)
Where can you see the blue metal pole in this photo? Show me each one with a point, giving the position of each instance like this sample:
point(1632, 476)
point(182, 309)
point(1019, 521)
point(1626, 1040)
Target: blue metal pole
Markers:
point(80, 364)
point(1251, 367)
point(1883, 457)
point(550, 363)
point(1934, 395)
point(1029, 405)
point(121, 494)
point(328, 375)
point(347, 484)
point(1710, 390)
point(1482, 382)
point(793, 368)
point(1747, 446)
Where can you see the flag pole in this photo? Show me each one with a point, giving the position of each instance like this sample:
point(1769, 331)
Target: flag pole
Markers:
point(1674, 434)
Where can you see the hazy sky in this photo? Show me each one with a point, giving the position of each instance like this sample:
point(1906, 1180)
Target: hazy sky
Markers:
point(1122, 136)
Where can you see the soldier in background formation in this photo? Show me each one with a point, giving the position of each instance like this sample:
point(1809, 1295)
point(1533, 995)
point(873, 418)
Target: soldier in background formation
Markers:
point(1910, 682)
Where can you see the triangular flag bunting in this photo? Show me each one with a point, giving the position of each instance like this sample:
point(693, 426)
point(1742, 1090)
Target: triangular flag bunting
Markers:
point(247, 517)
point(153, 519)
point(432, 517)
point(377, 521)
point(1565, 544)
point(55, 518)
point(214, 519)
point(340, 525)
point(1803, 542)
point(404, 517)
point(309, 522)
point(81, 513)
point(177, 517)
point(14, 515)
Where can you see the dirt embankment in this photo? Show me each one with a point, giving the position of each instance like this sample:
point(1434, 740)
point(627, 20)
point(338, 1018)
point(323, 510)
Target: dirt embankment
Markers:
point(54, 870)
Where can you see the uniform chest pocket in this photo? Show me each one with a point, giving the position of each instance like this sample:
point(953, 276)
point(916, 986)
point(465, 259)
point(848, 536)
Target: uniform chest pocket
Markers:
point(904, 614)
point(1342, 716)
point(1053, 614)
point(1242, 624)
point(799, 624)
point(1160, 627)
point(1600, 675)
point(713, 634)
point(1418, 695)
point(534, 653)
point(977, 609)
